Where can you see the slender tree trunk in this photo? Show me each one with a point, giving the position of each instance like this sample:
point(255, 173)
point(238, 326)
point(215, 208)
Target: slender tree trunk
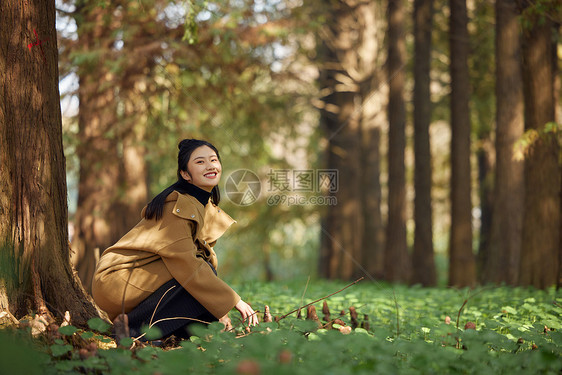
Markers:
point(98, 151)
point(423, 263)
point(35, 271)
point(397, 263)
point(541, 223)
point(373, 118)
point(502, 264)
point(462, 270)
point(373, 235)
point(133, 172)
point(485, 160)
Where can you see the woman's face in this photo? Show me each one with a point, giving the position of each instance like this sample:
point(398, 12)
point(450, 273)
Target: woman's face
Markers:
point(204, 168)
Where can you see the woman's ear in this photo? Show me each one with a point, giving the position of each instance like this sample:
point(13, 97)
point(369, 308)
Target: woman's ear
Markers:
point(185, 175)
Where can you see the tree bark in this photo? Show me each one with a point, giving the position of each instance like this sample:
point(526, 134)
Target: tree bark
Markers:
point(541, 222)
point(462, 270)
point(112, 185)
point(423, 263)
point(347, 60)
point(35, 269)
point(373, 118)
point(397, 263)
point(98, 147)
point(502, 264)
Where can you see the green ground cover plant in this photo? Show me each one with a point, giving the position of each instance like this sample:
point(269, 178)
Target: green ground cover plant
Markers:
point(409, 330)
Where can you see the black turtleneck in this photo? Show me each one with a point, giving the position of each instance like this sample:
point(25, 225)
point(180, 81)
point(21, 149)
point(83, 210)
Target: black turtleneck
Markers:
point(185, 187)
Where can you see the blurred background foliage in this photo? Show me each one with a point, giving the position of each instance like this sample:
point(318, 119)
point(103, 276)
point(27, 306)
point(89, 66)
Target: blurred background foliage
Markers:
point(236, 73)
point(243, 74)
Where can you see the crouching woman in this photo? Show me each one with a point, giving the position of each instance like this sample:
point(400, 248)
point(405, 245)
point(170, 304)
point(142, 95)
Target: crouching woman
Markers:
point(163, 272)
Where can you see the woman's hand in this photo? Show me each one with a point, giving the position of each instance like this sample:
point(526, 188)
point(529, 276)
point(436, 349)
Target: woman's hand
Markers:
point(227, 323)
point(248, 314)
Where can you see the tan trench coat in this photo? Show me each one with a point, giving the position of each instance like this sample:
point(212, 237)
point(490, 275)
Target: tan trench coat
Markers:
point(154, 252)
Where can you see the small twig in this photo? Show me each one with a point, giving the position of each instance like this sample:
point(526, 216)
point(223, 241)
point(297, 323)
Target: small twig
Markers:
point(125, 289)
point(466, 301)
point(462, 308)
point(320, 299)
point(304, 292)
point(397, 313)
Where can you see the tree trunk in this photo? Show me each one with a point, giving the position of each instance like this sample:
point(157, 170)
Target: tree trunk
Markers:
point(541, 223)
point(397, 264)
point(423, 263)
point(373, 118)
point(502, 263)
point(348, 65)
point(97, 150)
point(35, 268)
point(485, 160)
point(373, 234)
point(462, 270)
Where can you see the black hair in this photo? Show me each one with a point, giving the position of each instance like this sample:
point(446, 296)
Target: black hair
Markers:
point(186, 147)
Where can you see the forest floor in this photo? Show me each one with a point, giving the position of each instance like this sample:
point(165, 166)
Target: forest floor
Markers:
point(409, 330)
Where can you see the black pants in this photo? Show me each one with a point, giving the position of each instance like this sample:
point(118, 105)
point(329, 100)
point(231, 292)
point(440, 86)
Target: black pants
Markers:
point(170, 308)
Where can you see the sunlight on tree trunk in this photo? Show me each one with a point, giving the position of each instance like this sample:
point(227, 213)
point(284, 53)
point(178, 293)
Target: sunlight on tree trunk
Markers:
point(502, 261)
point(541, 223)
point(35, 269)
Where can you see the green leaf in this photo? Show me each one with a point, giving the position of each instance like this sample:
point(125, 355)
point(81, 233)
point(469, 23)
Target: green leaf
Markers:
point(127, 341)
point(99, 325)
point(58, 350)
point(509, 310)
point(152, 333)
point(68, 330)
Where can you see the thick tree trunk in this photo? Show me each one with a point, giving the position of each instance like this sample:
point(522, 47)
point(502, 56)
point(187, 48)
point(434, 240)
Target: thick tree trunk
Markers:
point(541, 223)
point(502, 263)
point(35, 268)
point(462, 270)
point(347, 57)
point(343, 227)
point(397, 263)
point(423, 263)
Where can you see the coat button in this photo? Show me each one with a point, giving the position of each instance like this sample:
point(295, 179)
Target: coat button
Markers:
point(178, 210)
point(219, 210)
point(192, 216)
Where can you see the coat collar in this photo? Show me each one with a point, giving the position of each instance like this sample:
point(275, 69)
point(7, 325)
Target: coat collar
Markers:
point(187, 207)
point(215, 223)
point(211, 219)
